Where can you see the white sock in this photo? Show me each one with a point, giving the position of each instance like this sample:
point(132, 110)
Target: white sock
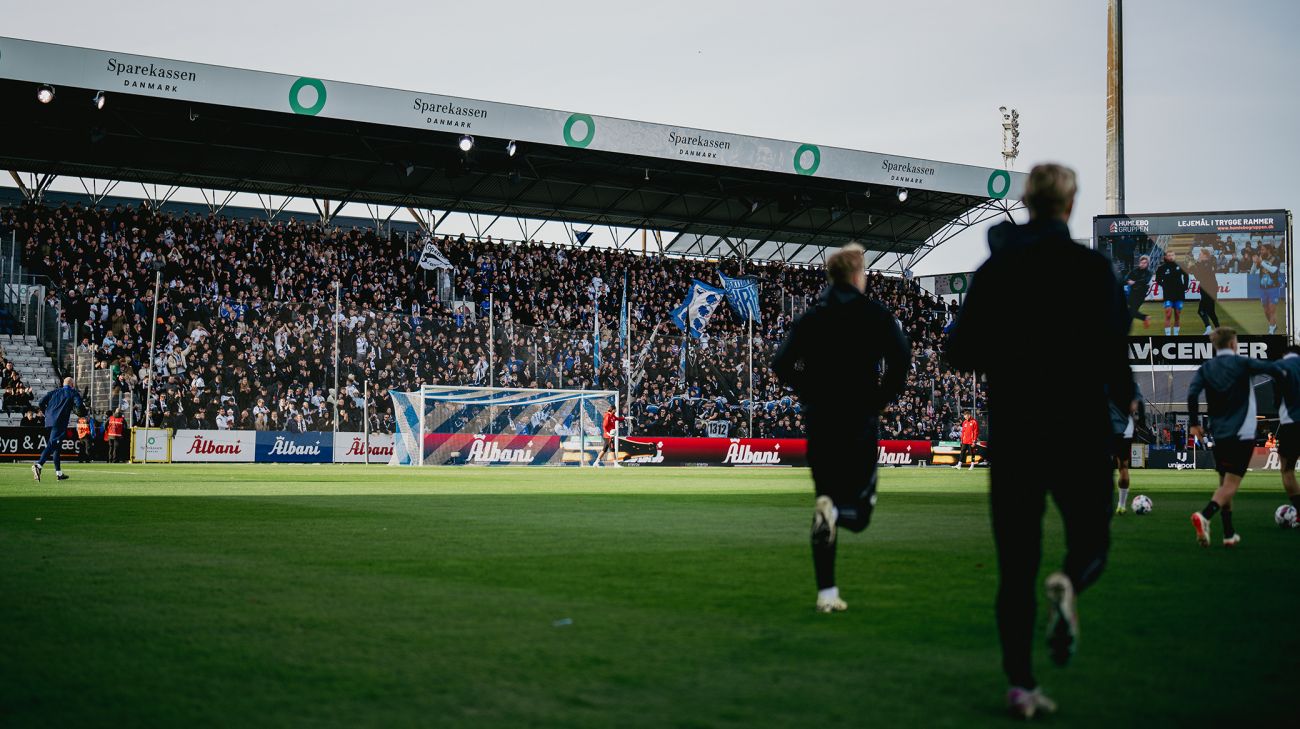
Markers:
point(1123, 498)
point(58, 473)
point(830, 593)
point(1176, 330)
point(1166, 331)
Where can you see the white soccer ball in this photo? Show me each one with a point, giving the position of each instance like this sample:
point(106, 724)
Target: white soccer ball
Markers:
point(1142, 504)
point(1285, 516)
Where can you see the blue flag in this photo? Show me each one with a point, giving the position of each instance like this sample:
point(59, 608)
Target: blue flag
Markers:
point(701, 301)
point(622, 319)
point(595, 350)
point(742, 294)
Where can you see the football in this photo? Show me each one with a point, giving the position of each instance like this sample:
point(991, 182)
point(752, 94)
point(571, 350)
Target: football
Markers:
point(1285, 516)
point(1142, 504)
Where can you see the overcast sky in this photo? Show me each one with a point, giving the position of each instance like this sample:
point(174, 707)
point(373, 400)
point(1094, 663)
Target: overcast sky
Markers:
point(1212, 97)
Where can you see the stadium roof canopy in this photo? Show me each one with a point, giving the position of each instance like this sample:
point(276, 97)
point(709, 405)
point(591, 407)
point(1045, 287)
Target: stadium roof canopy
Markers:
point(175, 123)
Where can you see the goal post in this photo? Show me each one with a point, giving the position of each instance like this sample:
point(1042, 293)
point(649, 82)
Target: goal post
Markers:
point(467, 425)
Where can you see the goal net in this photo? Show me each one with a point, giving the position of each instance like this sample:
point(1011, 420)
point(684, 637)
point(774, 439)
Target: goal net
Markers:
point(452, 425)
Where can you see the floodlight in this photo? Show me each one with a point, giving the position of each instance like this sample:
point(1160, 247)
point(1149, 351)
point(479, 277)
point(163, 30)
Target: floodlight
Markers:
point(902, 194)
point(98, 100)
point(466, 143)
point(511, 148)
point(45, 94)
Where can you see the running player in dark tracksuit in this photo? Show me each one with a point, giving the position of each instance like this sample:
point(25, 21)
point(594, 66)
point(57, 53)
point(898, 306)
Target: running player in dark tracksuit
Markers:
point(58, 406)
point(1123, 422)
point(1288, 432)
point(830, 358)
point(1093, 363)
point(1173, 283)
point(1208, 280)
point(1230, 400)
point(1135, 286)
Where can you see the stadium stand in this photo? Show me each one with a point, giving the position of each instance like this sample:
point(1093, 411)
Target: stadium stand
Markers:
point(245, 335)
point(26, 373)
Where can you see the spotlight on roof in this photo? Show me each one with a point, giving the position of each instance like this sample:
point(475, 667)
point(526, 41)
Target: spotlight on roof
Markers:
point(98, 100)
point(466, 143)
point(45, 94)
point(902, 194)
point(511, 148)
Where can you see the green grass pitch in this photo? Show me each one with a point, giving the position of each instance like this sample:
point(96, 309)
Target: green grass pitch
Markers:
point(195, 595)
point(1244, 315)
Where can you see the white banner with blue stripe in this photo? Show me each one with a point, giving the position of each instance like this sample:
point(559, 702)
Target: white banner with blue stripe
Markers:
point(701, 301)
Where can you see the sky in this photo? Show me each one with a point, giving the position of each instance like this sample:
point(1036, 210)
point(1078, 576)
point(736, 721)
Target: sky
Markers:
point(1212, 97)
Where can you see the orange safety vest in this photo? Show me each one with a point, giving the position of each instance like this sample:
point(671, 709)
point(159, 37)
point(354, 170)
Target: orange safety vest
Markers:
point(83, 428)
point(116, 427)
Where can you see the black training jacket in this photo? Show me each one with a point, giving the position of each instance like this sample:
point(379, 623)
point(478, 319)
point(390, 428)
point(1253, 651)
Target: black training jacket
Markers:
point(1054, 356)
point(832, 358)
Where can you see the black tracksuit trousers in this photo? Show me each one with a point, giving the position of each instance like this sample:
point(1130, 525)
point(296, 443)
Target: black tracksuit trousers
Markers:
point(1018, 495)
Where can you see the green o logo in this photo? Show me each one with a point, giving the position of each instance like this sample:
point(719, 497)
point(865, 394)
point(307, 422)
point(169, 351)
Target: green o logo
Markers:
point(996, 191)
point(297, 88)
point(587, 121)
point(957, 282)
point(811, 168)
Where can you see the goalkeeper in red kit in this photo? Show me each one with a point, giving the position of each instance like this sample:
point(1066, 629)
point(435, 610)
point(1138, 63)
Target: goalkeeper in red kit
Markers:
point(608, 431)
point(970, 433)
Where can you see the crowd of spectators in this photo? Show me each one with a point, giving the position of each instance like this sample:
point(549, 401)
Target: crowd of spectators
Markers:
point(15, 395)
point(245, 323)
point(1248, 253)
point(1240, 253)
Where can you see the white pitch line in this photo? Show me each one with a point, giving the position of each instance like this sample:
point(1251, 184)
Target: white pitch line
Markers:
point(107, 470)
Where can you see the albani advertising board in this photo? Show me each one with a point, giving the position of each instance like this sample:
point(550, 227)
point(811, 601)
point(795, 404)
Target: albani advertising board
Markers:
point(284, 447)
point(650, 451)
point(351, 447)
point(116, 72)
point(215, 446)
point(247, 446)
point(525, 450)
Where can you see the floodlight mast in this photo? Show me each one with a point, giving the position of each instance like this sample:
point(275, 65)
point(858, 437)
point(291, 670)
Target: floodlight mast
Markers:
point(1114, 108)
point(1010, 136)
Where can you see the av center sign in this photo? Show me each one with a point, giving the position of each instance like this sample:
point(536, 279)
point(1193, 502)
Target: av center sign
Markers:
point(1195, 350)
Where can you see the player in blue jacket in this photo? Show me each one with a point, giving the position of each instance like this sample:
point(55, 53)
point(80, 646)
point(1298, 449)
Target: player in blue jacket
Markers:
point(1230, 400)
point(58, 406)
